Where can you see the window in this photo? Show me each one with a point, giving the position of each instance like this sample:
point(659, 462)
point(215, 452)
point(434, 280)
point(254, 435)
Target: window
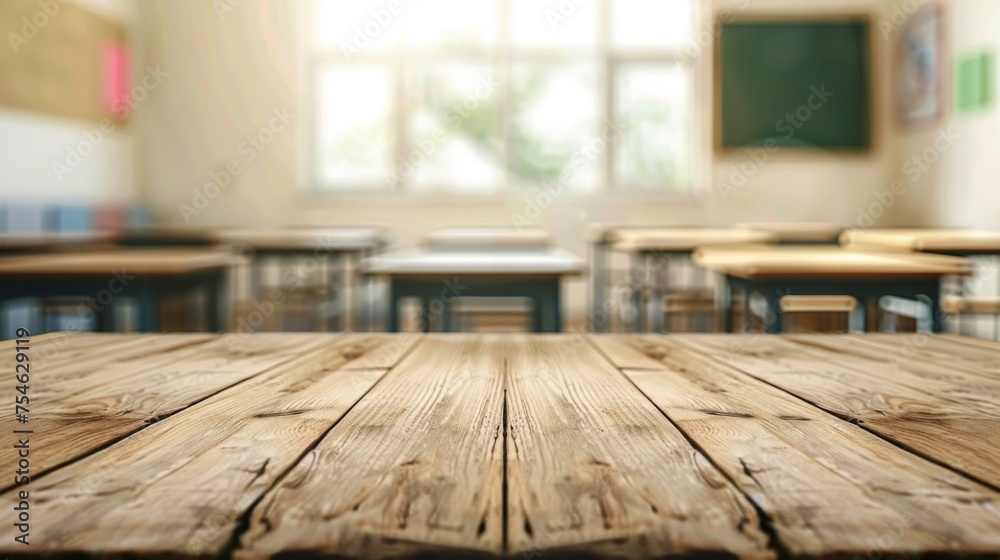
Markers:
point(475, 96)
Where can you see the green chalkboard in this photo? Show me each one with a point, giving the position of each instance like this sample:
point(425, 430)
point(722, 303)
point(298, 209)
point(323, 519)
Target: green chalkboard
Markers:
point(794, 84)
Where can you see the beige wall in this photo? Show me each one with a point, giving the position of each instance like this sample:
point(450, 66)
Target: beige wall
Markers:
point(959, 187)
point(228, 74)
point(31, 142)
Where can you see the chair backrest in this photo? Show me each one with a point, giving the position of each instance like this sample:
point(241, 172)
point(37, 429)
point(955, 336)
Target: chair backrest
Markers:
point(814, 305)
point(70, 219)
point(26, 218)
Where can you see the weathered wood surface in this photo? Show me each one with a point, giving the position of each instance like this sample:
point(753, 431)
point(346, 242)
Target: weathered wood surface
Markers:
point(416, 466)
point(593, 467)
point(806, 468)
point(514, 446)
point(959, 432)
point(182, 486)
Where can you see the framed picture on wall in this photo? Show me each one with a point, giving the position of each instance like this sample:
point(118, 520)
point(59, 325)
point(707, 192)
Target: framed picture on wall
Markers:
point(921, 68)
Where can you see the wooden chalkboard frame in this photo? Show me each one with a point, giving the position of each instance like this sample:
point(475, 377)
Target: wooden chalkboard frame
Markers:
point(865, 18)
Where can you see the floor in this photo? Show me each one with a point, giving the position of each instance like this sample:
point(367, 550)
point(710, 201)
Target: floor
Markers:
point(521, 446)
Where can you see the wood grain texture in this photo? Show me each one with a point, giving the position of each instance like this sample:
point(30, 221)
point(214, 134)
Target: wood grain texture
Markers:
point(515, 446)
point(805, 468)
point(181, 486)
point(417, 466)
point(594, 468)
point(971, 355)
point(83, 405)
point(865, 392)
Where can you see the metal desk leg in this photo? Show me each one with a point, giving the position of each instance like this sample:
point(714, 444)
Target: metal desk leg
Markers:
point(635, 296)
point(599, 282)
point(774, 325)
point(660, 276)
point(148, 304)
point(216, 302)
point(723, 301)
point(393, 303)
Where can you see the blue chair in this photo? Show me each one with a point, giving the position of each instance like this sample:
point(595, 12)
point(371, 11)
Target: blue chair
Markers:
point(70, 219)
point(21, 219)
point(59, 313)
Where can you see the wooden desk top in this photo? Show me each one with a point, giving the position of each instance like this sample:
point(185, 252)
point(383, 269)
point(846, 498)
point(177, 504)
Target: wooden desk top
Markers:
point(682, 239)
point(954, 241)
point(14, 242)
point(769, 261)
point(307, 239)
point(797, 232)
point(492, 262)
point(476, 237)
point(609, 446)
point(92, 263)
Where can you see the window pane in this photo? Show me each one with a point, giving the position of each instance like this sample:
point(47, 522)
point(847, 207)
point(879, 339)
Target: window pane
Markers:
point(553, 124)
point(454, 136)
point(653, 102)
point(451, 23)
point(352, 126)
point(650, 23)
point(537, 24)
point(356, 27)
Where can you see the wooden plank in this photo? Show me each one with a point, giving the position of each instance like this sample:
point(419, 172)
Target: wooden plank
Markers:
point(797, 232)
point(181, 486)
point(964, 438)
point(488, 237)
point(928, 240)
point(594, 468)
point(964, 341)
point(417, 465)
point(764, 261)
point(682, 240)
point(919, 362)
point(306, 239)
point(389, 349)
point(827, 487)
point(112, 263)
point(111, 399)
point(46, 338)
point(546, 261)
point(961, 352)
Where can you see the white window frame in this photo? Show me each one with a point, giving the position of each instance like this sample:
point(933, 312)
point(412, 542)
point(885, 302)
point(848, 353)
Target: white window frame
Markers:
point(609, 60)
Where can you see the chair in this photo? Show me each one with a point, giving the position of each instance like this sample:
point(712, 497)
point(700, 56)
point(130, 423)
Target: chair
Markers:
point(491, 314)
point(822, 314)
point(962, 306)
point(60, 313)
point(919, 311)
point(21, 219)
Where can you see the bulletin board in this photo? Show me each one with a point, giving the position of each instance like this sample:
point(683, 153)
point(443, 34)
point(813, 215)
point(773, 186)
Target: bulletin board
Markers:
point(52, 58)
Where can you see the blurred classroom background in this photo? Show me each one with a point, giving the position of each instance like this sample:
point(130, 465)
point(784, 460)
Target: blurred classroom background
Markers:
point(555, 164)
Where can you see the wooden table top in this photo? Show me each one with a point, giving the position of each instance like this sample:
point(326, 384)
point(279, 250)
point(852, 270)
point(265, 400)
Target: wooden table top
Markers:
point(797, 232)
point(339, 238)
point(154, 262)
point(771, 261)
point(625, 446)
point(927, 240)
point(684, 240)
point(478, 237)
point(17, 242)
point(547, 261)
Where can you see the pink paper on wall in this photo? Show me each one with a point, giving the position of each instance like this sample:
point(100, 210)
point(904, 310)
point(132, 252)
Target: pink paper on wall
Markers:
point(114, 77)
